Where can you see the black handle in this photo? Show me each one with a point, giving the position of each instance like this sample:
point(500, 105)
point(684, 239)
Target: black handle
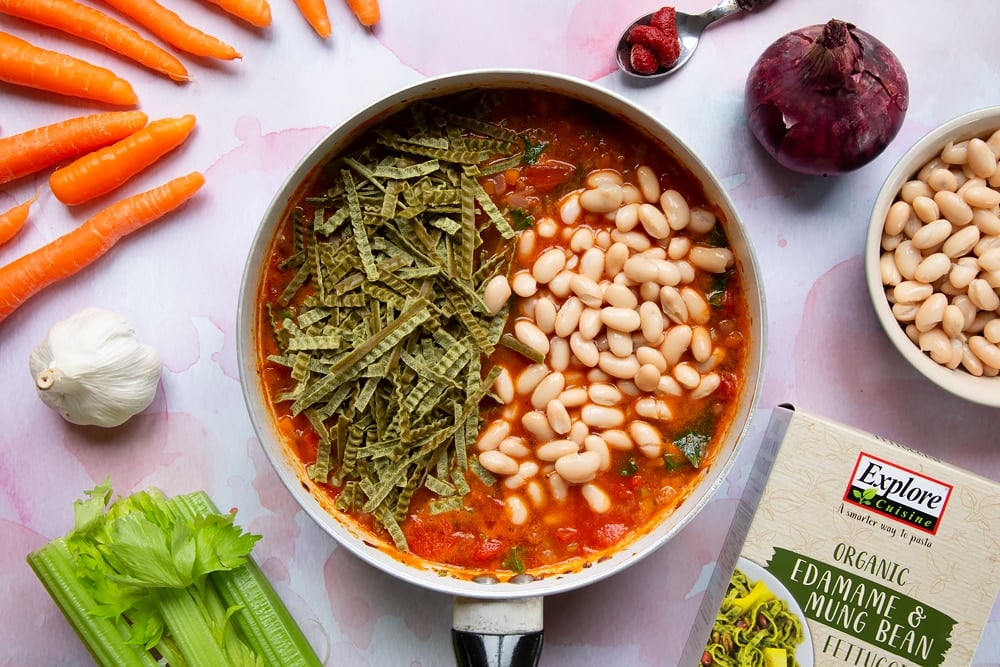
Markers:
point(473, 649)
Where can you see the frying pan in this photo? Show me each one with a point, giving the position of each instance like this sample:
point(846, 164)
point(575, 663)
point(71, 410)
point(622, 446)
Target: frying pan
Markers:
point(496, 622)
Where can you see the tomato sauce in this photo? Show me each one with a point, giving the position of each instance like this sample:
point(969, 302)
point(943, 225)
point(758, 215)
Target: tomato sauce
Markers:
point(571, 140)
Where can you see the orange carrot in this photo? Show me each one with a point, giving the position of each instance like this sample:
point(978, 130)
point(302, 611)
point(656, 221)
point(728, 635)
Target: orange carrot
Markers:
point(90, 24)
point(12, 221)
point(71, 252)
point(314, 11)
point(367, 11)
point(25, 64)
point(107, 168)
point(172, 29)
point(28, 152)
point(255, 12)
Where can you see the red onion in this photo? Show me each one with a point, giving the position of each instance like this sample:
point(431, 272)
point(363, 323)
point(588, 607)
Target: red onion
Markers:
point(826, 99)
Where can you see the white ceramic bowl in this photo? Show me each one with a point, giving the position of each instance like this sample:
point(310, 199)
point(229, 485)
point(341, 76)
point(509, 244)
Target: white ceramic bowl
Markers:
point(979, 123)
point(291, 472)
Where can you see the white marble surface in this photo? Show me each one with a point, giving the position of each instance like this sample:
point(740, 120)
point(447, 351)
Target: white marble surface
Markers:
point(178, 281)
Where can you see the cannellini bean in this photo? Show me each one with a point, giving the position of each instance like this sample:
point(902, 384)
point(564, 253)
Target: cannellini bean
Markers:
point(669, 386)
point(578, 467)
point(686, 270)
point(618, 367)
point(711, 259)
point(559, 354)
point(491, 436)
point(673, 304)
point(558, 417)
point(952, 320)
point(578, 432)
point(568, 317)
point(932, 234)
point(895, 219)
point(961, 242)
point(530, 377)
point(503, 386)
point(526, 244)
point(925, 208)
point(640, 269)
point(937, 343)
point(592, 264)
point(516, 510)
point(991, 331)
point(528, 333)
point(649, 183)
point(905, 312)
point(627, 217)
point(679, 247)
point(968, 309)
point(988, 222)
point(614, 259)
point(986, 351)
point(990, 260)
point(621, 319)
point(570, 210)
point(496, 293)
point(982, 295)
point(587, 290)
point(676, 209)
point(596, 444)
point(515, 447)
point(980, 196)
point(605, 198)
point(652, 356)
point(619, 342)
point(548, 264)
point(981, 159)
point(573, 397)
point(604, 176)
point(557, 487)
point(559, 286)
point(651, 322)
point(634, 240)
point(702, 220)
point(941, 178)
point(546, 228)
point(654, 221)
point(537, 424)
point(584, 350)
point(605, 394)
point(617, 439)
point(953, 208)
point(707, 386)
point(911, 291)
point(581, 240)
point(631, 194)
point(620, 296)
point(932, 267)
point(687, 375)
point(497, 462)
point(970, 362)
point(647, 378)
point(697, 307)
point(524, 284)
point(962, 274)
point(514, 482)
point(907, 259)
point(701, 343)
point(547, 389)
point(955, 153)
point(931, 312)
point(985, 244)
point(910, 190)
point(598, 501)
point(545, 314)
point(555, 449)
point(644, 434)
point(651, 408)
point(676, 342)
point(601, 416)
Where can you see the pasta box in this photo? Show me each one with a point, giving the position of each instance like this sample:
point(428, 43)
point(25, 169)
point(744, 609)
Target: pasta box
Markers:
point(850, 549)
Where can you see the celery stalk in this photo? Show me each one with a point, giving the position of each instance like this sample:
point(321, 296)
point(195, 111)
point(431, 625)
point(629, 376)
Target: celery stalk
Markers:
point(189, 628)
point(262, 618)
point(53, 566)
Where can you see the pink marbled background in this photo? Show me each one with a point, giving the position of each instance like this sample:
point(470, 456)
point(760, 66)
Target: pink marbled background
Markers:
point(178, 282)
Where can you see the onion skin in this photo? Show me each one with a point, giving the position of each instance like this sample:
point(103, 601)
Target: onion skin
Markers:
point(826, 99)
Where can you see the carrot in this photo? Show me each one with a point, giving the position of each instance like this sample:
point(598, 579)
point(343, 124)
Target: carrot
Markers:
point(12, 221)
point(107, 168)
point(95, 26)
point(314, 11)
point(255, 12)
point(25, 64)
point(367, 11)
point(28, 152)
point(172, 29)
point(71, 252)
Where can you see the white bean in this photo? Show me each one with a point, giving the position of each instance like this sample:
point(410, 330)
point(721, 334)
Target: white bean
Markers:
point(603, 393)
point(952, 320)
point(605, 198)
point(617, 439)
point(524, 284)
point(516, 510)
point(596, 444)
point(991, 331)
point(548, 264)
point(619, 342)
point(911, 291)
point(980, 196)
point(601, 416)
point(675, 343)
point(546, 228)
point(930, 313)
point(547, 389)
point(990, 260)
point(559, 354)
point(679, 247)
point(598, 501)
point(932, 234)
point(933, 266)
point(711, 259)
point(649, 183)
point(592, 264)
point(503, 387)
point(652, 408)
point(644, 434)
point(515, 447)
point(673, 304)
point(623, 368)
point(687, 375)
point(647, 378)
point(701, 343)
point(581, 240)
point(497, 462)
point(526, 244)
point(555, 449)
point(708, 384)
point(558, 416)
point(573, 397)
point(654, 221)
point(568, 317)
point(545, 314)
point(669, 386)
point(982, 295)
point(587, 290)
point(584, 350)
point(702, 220)
point(987, 352)
point(627, 217)
point(557, 487)
point(982, 161)
point(578, 467)
point(640, 269)
point(570, 210)
point(621, 319)
point(604, 176)
point(531, 335)
point(614, 259)
point(631, 194)
point(530, 377)
point(676, 209)
point(937, 343)
point(651, 355)
point(492, 435)
point(496, 293)
point(537, 424)
point(697, 307)
point(961, 242)
point(620, 296)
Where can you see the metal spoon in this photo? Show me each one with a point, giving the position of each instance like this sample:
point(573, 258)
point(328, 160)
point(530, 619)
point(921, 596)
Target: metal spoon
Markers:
point(689, 29)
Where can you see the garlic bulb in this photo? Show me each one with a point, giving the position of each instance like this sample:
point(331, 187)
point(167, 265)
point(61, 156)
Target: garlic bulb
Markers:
point(91, 369)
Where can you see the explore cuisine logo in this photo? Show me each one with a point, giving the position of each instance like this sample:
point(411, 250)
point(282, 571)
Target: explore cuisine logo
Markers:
point(898, 493)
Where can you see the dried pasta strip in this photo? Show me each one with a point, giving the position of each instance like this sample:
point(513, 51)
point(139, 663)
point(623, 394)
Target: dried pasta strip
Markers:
point(298, 343)
point(512, 162)
point(425, 140)
point(391, 199)
point(484, 475)
point(300, 367)
point(468, 234)
point(476, 330)
point(362, 171)
point(332, 223)
point(448, 504)
point(389, 522)
point(297, 281)
point(513, 343)
point(450, 155)
point(447, 225)
point(409, 171)
point(358, 228)
point(438, 486)
point(491, 210)
point(461, 484)
point(312, 316)
point(474, 124)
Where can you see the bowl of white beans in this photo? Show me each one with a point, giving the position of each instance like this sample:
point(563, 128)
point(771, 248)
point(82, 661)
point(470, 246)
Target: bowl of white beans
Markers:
point(933, 256)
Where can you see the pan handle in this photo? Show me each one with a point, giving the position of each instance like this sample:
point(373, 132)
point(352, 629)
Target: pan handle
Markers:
point(497, 633)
